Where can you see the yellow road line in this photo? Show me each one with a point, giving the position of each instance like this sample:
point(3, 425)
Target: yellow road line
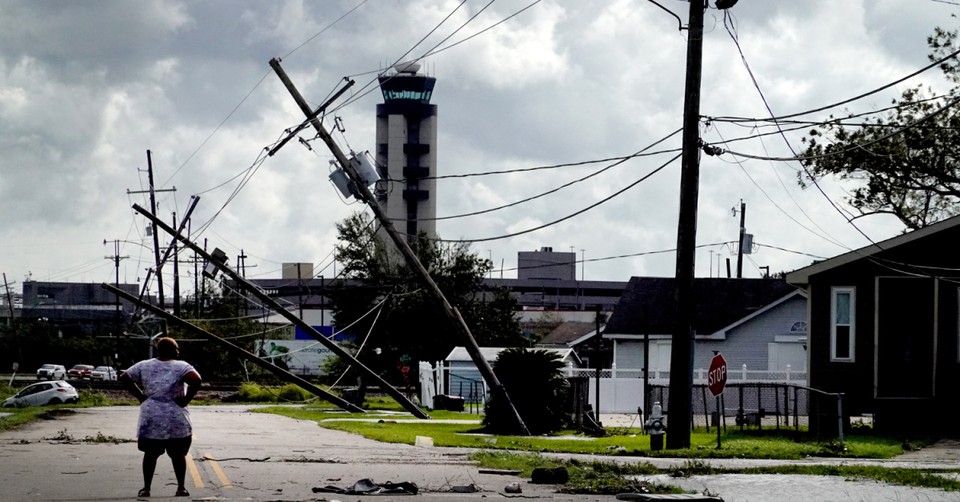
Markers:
point(194, 473)
point(217, 470)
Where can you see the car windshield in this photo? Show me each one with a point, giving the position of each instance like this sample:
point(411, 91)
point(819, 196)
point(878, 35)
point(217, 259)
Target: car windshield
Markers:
point(48, 366)
point(102, 368)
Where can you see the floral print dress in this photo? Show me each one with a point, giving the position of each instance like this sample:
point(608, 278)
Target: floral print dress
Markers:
point(162, 382)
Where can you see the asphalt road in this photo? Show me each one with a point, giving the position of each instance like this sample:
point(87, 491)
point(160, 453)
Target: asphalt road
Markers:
point(90, 454)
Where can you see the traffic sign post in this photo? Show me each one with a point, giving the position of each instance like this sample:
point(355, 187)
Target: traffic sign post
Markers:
point(716, 381)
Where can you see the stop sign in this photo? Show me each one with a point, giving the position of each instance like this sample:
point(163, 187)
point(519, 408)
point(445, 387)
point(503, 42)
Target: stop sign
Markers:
point(717, 375)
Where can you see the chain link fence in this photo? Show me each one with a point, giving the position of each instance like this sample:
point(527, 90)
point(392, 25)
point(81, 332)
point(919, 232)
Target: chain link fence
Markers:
point(761, 406)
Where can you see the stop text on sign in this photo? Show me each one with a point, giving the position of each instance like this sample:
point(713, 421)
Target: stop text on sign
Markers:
point(716, 376)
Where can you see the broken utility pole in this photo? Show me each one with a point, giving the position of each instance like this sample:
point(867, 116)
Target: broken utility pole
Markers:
point(290, 316)
point(237, 351)
point(363, 193)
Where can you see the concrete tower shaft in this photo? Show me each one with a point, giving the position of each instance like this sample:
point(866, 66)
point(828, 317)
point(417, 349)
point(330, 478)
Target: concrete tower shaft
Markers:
point(407, 151)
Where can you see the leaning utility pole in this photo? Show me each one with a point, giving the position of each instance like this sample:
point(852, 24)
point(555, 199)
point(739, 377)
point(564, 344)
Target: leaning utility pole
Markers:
point(679, 407)
point(238, 351)
point(244, 284)
point(364, 194)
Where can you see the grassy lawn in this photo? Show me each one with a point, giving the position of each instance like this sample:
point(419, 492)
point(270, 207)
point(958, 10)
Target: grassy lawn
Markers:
point(523, 453)
point(396, 428)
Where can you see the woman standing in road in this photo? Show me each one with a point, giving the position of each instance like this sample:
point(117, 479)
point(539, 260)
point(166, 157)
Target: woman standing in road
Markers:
point(164, 386)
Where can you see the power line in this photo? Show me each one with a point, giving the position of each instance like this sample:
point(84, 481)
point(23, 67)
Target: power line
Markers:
point(548, 167)
point(571, 215)
point(551, 191)
point(731, 30)
point(839, 103)
point(899, 130)
point(325, 28)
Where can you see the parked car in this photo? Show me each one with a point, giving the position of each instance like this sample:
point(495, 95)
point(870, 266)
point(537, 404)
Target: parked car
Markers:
point(42, 394)
point(51, 372)
point(105, 373)
point(80, 371)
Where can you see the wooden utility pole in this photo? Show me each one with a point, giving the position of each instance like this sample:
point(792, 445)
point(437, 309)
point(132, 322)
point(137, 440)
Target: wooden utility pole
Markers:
point(743, 233)
point(176, 272)
point(156, 240)
point(116, 264)
point(363, 193)
point(679, 407)
point(6, 286)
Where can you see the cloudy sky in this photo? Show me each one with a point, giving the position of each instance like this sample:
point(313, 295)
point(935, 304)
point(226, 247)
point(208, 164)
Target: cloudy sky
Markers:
point(87, 88)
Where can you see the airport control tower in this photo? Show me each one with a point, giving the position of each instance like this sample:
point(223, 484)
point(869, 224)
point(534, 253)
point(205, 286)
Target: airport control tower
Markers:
point(407, 150)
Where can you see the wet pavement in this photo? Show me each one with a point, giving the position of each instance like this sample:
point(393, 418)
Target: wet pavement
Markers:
point(89, 454)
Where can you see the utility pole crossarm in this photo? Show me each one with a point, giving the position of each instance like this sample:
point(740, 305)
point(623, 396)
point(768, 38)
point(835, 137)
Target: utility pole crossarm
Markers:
point(364, 194)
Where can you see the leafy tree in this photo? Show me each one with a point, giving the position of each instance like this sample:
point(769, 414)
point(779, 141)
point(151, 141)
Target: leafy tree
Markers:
point(537, 388)
point(908, 160)
point(387, 308)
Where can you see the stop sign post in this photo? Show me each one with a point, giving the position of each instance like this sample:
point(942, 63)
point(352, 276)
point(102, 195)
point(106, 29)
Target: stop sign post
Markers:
point(716, 381)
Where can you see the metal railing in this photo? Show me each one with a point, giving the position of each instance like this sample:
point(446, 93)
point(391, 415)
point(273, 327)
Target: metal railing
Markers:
point(760, 405)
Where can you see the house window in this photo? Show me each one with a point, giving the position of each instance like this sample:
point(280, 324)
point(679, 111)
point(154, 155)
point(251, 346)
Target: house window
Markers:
point(799, 327)
point(842, 324)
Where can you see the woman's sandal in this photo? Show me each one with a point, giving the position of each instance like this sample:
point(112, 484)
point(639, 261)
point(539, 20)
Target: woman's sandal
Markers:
point(144, 492)
point(182, 492)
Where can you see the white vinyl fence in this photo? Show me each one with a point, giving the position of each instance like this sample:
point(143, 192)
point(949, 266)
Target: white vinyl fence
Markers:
point(621, 390)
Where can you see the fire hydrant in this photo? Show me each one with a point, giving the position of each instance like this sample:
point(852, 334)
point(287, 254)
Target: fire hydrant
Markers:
point(655, 427)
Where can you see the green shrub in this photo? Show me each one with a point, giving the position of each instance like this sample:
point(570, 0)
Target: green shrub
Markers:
point(254, 393)
point(93, 398)
point(534, 380)
point(292, 392)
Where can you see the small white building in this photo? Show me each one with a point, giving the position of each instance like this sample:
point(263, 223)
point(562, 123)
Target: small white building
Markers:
point(459, 375)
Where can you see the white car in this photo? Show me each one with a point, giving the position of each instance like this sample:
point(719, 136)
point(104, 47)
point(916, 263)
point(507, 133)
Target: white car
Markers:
point(104, 373)
point(43, 394)
point(51, 372)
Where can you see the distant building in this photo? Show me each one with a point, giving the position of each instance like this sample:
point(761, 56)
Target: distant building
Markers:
point(74, 308)
point(547, 264)
point(543, 303)
point(297, 271)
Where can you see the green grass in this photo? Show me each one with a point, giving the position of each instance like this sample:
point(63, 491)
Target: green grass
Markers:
point(605, 477)
point(735, 444)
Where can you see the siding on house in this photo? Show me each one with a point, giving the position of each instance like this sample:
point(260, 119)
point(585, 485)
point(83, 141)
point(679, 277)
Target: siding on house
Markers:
point(905, 364)
point(745, 342)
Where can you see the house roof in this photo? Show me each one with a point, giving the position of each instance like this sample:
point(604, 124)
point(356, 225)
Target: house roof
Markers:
point(491, 353)
point(801, 277)
point(647, 305)
point(768, 307)
point(567, 332)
